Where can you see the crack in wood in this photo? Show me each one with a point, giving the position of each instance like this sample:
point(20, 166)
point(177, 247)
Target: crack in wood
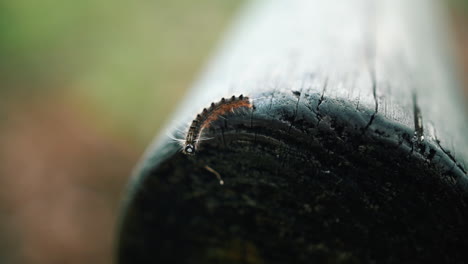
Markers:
point(418, 121)
point(374, 93)
point(449, 154)
point(298, 94)
point(371, 58)
point(320, 101)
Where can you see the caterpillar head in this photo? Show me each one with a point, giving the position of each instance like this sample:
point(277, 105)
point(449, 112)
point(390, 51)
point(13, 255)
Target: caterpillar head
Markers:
point(189, 149)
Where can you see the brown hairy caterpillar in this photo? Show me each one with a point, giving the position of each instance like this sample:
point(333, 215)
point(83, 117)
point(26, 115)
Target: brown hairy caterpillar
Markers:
point(208, 115)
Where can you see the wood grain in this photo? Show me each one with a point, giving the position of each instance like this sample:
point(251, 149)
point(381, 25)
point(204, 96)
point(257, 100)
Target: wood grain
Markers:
point(355, 150)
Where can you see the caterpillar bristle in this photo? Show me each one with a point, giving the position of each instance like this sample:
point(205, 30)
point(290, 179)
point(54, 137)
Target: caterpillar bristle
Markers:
point(217, 110)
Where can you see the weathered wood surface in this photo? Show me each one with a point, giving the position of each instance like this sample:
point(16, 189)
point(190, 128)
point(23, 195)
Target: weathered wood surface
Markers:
point(355, 152)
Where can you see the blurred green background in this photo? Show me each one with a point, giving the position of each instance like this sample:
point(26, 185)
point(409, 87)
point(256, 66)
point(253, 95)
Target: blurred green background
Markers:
point(120, 56)
point(84, 86)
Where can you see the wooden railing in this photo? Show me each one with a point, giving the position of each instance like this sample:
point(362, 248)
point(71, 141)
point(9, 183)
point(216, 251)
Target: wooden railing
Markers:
point(349, 144)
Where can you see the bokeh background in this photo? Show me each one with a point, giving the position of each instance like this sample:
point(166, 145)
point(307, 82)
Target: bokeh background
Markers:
point(84, 86)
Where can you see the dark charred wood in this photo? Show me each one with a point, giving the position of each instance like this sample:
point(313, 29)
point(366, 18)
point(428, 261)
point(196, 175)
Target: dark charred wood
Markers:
point(349, 155)
point(296, 192)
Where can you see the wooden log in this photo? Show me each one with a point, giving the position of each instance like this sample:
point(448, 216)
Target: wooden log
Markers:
point(354, 150)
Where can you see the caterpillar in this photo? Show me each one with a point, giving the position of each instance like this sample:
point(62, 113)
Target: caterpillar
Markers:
point(208, 115)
